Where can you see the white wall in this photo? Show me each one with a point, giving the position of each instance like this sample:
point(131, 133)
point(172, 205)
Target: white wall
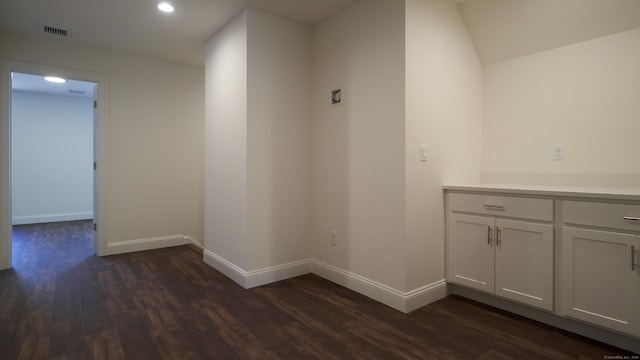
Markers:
point(584, 96)
point(155, 142)
point(226, 143)
point(410, 76)
point(278, 140)
point(258, 148)
point(358, 154)
point(443, 111)
point(52, 152)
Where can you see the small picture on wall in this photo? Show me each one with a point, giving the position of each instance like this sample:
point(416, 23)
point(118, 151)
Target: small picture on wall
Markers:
point(336, 97)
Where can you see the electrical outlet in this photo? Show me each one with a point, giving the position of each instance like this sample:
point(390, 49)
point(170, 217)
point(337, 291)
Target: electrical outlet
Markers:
point(557, 152)
point(334, 236)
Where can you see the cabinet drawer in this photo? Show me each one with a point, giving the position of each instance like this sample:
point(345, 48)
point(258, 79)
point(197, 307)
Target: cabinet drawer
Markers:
point(517, 207)
point(601, 214)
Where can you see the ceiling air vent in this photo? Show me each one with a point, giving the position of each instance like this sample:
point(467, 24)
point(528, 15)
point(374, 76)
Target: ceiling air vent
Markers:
point(56, 31)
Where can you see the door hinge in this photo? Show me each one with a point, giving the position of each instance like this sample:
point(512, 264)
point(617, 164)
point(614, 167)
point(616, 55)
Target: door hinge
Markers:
point(95, 104)
point(95, 226)
point(95, 165)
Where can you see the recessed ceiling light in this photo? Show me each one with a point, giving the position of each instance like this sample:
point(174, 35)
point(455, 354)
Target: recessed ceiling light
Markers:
point(165, 7)
point(55, 79)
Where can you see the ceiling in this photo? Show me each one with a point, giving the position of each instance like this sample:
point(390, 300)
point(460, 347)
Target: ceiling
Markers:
point(136, 27)
point(505, 29)
point(501, 29)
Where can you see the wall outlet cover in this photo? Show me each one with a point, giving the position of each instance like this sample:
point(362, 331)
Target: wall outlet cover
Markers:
point(557, 152)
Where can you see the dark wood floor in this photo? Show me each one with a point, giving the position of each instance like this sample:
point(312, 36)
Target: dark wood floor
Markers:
point(62, 302)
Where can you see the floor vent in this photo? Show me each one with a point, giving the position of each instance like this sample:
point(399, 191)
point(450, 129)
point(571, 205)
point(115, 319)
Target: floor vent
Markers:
point(56, 31)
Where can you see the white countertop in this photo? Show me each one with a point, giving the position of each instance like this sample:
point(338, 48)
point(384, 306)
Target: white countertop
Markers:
point(555, 191)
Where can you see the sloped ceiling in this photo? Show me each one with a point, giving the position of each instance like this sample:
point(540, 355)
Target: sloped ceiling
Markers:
point(506, 29)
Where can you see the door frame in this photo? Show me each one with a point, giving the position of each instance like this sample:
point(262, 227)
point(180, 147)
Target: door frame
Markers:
point(100, 150)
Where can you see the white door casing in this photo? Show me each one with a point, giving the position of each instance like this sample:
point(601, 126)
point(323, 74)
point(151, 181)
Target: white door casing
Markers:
point(100, 149)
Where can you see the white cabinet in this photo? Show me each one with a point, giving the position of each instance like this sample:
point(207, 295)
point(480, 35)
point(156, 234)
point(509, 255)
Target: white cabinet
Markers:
point(489, 251)
point(524, 262)
point(600, 275)
point(470, 258)
point(574, 252)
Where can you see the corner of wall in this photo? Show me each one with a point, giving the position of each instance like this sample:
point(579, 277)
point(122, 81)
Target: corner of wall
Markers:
point(5, 165)
point(402, 301)
point(443, 112)
point(251, 279)
point(225, 183)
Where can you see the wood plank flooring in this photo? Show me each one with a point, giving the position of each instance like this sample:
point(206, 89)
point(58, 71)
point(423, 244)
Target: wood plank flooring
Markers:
point(60, 301)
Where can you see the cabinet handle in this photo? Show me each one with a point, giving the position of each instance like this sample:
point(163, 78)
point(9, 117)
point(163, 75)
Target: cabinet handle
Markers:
point(489, 235)
point(633, 258)
point(498, 237)
point(631, 218)
point(496, 207)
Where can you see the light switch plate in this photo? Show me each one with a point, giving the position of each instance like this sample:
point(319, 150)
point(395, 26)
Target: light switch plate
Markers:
point(423, 152)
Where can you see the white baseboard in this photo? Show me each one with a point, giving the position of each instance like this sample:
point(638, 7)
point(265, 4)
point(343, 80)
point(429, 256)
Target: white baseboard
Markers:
point(226, 267)
point(127, 246)
point(195, 242)
point(425, 295)
point(401, 301)
point(251, 279)
point(278, 273)
point(37, 219)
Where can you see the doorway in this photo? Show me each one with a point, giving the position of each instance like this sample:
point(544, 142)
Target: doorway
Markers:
point(52, 153)
point(38, 190)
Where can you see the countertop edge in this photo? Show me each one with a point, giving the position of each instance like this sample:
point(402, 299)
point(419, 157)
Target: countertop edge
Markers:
point(551, 191)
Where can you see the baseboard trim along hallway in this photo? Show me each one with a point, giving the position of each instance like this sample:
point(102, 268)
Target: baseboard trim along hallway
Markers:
point(401, 301)
point(251, 279)
point(121, 247)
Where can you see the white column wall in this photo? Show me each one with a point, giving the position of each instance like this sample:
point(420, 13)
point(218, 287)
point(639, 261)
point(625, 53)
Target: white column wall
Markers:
point(278, 141)
point(226, 144)
point(358, 147)
point(257, 212)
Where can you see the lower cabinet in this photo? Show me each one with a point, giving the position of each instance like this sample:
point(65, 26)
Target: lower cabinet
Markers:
point(601, 279)
point(511, 259)
point(577, 256)
point(470, 259)
point(524, 263)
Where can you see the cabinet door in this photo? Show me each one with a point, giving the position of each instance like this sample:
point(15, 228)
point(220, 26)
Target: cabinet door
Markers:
point(470, 251)
point(524, 262)
point(599, 282)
